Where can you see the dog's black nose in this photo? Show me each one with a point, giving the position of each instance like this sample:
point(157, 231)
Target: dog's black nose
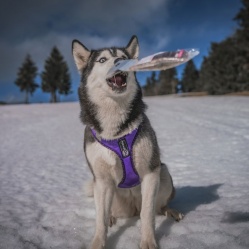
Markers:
point(118, 59)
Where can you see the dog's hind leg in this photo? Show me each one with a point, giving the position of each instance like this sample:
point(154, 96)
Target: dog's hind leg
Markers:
point(165, 194)
point(168, 212)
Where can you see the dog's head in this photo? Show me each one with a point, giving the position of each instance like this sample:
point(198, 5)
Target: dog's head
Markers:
point(94, 65)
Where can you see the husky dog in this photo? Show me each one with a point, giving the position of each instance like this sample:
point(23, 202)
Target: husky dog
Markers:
point(112, 108)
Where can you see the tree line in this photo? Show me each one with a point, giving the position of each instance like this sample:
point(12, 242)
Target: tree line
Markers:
point(55, 78)
point(166, 82)
point(224, 70)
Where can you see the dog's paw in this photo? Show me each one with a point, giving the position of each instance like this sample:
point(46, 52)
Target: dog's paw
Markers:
point(174, 214)
point(148, 244)
point(112, 221)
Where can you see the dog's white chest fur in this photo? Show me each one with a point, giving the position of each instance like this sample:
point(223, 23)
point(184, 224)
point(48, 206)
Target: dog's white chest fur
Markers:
point(104, 160)
point(96, 151)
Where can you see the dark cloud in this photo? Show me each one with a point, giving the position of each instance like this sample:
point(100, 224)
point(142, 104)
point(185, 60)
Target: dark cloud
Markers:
point(24, 19)
point(36, 26)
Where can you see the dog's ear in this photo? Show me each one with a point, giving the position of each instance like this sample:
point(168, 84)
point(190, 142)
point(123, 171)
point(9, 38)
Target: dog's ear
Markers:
point(80, 54)
point(133, 48)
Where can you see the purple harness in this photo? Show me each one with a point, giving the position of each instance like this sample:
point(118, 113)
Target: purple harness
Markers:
point(123, 148)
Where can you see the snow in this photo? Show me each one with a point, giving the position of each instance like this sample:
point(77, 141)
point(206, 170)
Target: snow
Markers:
point(204, 141)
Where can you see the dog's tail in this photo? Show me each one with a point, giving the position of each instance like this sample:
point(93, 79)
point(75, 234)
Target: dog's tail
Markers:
point(89, 188)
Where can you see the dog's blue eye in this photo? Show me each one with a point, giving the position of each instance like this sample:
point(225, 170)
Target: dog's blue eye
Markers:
point(102, 59)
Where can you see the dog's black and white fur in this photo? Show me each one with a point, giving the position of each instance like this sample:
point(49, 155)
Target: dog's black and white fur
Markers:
point(114, 108)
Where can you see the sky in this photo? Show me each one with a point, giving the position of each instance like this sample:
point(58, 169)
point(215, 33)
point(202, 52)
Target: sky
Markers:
point(35, 27)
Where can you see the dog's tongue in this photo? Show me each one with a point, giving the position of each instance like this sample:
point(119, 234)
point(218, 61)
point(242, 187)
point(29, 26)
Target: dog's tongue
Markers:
point(118, 80)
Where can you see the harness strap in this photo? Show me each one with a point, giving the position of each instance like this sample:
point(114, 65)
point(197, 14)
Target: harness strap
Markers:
point(123, 149)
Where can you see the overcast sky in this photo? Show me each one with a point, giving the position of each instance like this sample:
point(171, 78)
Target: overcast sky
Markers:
point(34, 27)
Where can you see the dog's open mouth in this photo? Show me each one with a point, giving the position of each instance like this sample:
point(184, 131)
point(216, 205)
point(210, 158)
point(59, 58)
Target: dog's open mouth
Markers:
point(118, 82)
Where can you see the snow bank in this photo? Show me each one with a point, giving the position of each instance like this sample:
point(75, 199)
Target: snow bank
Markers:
point(204, 141)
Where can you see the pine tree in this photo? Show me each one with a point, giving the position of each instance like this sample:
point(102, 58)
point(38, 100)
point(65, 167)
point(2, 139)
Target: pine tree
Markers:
point(150, 88)
point(56, 77)
point(26, 77)
point(167, 81)
point(190, 77)
point(153, 81)
point(219, 70)
point(65, 86)
point(243, 19)
point(242, 41)
point(147, 88)
point(226, 68)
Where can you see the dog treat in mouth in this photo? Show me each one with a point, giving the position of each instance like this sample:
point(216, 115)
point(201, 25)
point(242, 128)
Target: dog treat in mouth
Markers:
point(154, 62)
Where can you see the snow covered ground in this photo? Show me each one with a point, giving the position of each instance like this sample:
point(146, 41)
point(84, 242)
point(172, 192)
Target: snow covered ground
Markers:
point(204, 141)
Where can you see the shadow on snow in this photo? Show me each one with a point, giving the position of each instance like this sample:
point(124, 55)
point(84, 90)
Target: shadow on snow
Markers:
point(235, 217)
point(187, 199)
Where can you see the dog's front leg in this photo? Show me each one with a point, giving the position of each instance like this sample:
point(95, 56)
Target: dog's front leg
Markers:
point(150, 185)
point(103, 194)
